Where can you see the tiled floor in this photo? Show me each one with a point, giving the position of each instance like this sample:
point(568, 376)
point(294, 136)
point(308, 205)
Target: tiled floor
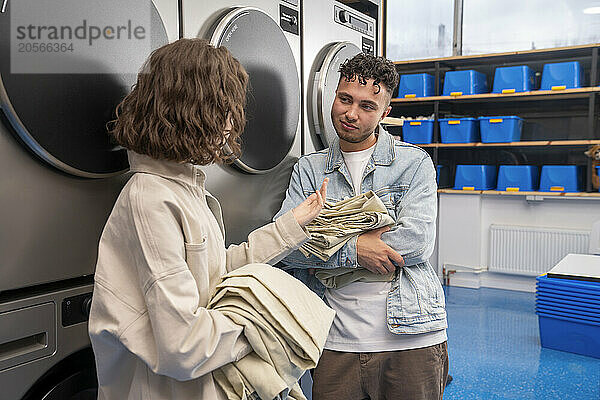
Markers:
point(495, 351)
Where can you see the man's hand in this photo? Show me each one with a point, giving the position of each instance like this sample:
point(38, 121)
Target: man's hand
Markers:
point(376, 256)
point(311, 207)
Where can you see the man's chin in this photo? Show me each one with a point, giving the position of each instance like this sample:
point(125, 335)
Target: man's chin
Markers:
point(349, 137)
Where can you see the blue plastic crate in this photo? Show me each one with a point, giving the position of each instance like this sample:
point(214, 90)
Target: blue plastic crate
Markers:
point(418, 132)
point(519, 78)
point(575, 292)
point(515, 178)
point(588, 314)
point(443, 176)
point(500, 129)
point(561, 178)
point(588, 297)
point(579, 337)
point(568, 285)
point(416, 85)
point(555, 295)
point(566, 314)
point(459, 130)
point(475, 177)
point(458, 83)
point(568, 302)
point(571, 306)
point(565, 75)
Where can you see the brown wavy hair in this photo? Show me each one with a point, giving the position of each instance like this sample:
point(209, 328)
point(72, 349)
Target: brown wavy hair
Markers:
point(365, 66)
point(179, 106)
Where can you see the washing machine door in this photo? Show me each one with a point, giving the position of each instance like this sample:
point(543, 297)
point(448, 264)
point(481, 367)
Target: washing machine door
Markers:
point(273, 102)
point(61, 117)
point(80, 385)
point(321, 93)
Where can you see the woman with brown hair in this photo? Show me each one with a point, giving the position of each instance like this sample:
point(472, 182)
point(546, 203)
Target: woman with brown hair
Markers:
point(162, 251)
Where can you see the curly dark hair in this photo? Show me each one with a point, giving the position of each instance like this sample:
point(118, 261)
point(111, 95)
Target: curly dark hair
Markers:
point(365, 66)
point(178, 108)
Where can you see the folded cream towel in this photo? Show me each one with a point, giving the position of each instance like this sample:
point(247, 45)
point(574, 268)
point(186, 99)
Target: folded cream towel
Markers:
point(339, 222)
point(336, 278)
point(285, 323)
point(336, 224)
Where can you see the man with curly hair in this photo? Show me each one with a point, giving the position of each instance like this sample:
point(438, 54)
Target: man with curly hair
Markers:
point(388, 340)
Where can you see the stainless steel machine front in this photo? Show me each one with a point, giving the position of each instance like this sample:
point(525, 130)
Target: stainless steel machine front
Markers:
point(332, 32)
point(59, 178)
point(264, 35)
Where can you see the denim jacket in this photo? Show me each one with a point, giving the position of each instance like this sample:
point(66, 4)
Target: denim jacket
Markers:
point(403, 176)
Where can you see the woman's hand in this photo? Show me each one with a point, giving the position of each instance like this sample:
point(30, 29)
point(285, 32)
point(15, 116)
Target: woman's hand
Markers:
point(311, 207)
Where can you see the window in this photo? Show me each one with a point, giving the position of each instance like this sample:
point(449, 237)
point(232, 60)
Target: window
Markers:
point(417, 29)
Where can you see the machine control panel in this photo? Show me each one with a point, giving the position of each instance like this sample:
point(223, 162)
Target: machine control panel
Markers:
point(353, 21)
point(288, 19)
point(76, 309)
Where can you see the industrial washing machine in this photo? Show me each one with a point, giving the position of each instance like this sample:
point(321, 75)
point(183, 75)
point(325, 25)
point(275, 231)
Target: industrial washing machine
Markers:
point(264, 35)
point(59, 178)
point(332, 32)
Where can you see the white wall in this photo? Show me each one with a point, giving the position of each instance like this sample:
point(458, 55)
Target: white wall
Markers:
point(463, 231)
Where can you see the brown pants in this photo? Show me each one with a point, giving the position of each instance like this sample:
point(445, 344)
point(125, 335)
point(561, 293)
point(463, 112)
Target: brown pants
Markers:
point(418, 374)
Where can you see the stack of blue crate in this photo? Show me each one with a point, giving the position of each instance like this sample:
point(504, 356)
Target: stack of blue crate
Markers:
point(416, 85)
point(560, 76)
point(475, 177)
point(459, 130)
point(458, 83)
point(561, 178)
point(518, 178)
point(500, 129)
point(519, 78)
point(418, 131)
point(569, 315)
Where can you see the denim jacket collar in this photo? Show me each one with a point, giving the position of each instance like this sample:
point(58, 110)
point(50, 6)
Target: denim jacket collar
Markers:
point(383, 154)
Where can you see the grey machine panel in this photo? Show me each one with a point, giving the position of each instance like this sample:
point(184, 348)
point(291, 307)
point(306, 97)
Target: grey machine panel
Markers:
point(33, 339)
point(53, 137)
point(62, 117)
point(251, 191)
point(273, 101)
point(332, 32)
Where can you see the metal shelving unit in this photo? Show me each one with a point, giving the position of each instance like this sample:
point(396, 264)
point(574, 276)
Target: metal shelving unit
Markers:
point(559, 125)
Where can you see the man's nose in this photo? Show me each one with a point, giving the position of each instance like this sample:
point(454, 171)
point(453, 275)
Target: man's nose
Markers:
point(351, 113)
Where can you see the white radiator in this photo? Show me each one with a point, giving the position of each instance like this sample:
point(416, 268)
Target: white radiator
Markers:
point(524, 250)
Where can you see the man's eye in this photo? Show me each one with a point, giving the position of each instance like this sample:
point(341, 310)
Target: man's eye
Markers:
point(345, 100)
point(368, 107)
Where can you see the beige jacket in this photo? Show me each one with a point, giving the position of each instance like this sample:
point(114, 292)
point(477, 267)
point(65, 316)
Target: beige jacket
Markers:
point(161, 255)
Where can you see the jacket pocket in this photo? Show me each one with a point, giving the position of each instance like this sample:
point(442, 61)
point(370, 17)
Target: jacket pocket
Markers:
point(391, 196)
point(432, 286)
point(416, 296)
point(196, 257)
point(407, 295)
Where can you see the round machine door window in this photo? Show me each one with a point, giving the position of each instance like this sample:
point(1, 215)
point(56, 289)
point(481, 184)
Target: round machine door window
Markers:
point(58, 108)
point(321, 92)
point(273, 102)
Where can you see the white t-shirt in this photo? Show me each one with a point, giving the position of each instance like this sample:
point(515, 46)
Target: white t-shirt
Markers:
point(360, 322)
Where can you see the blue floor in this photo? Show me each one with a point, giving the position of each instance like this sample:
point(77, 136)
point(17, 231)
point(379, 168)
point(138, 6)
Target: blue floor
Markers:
point(495, 352)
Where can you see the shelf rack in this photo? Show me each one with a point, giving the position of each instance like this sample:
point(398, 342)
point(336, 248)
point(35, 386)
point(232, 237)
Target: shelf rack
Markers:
point(579, 103)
